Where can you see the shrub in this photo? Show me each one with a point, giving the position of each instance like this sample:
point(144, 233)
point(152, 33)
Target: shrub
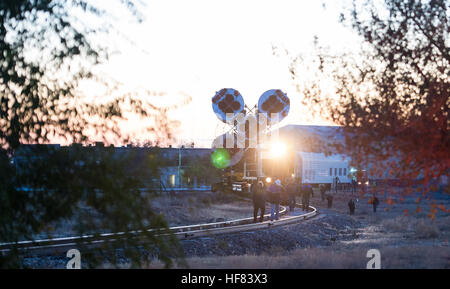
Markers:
point(425, 229)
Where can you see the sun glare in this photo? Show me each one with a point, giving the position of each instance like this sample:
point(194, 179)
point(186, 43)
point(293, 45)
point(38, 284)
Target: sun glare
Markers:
point(278, 149)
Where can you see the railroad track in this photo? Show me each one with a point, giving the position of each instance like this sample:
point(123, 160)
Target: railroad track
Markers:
point(181, 232)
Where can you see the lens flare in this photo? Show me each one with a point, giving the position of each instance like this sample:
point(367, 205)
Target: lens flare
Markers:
point(220, 158)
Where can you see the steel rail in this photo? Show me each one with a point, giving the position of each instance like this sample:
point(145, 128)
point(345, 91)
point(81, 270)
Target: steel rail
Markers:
point(181, 232)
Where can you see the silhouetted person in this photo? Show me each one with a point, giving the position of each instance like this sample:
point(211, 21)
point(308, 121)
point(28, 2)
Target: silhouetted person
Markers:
point(375, 203)
point(351, 206)
point(307, 191)
point(330, 200)
point(354, 184)
point(336, 182)
point(275, 198)
point(291, 190)
point(322, 191)
point(259, 200)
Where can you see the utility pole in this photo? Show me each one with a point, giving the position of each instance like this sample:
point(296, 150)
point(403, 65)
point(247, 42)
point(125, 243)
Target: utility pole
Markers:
point(179, 167)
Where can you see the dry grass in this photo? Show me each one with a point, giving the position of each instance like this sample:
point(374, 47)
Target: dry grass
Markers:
point(328, 258)
point(182, 208)
point(425, 245)
point(392, 218)
point(201, 207)
point(398, 224)
point(422, 228)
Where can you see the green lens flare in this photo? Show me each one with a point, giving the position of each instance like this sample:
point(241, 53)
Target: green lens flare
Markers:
point(220, 158)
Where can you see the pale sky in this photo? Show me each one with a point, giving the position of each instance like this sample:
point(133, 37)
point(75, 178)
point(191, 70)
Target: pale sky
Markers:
point(199, 47)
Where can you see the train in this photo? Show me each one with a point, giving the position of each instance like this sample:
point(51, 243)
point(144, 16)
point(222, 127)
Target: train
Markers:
point(305, 167)
point(310, 168)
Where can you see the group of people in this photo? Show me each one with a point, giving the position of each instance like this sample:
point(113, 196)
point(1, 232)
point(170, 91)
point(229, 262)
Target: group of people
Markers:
point(374, 201)
point(351, 204)
point(275, 194)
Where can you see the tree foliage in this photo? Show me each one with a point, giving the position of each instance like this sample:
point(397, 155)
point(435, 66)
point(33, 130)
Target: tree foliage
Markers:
point(391, 98)
point(47, 48)
point(200, 167)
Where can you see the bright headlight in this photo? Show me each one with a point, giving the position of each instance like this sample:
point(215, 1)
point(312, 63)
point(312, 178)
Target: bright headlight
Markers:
point(278, 149)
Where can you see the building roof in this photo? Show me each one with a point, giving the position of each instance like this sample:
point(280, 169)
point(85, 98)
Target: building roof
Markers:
point(310, 138)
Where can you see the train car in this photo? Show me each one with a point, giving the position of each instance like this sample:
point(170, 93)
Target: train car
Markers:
point(317, 168)
point(311, 168)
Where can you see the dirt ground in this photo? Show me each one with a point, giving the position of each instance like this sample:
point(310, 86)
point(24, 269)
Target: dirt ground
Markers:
point(178, 209)
point(402, 230)
point(188, 208)
point(405, 236)
point(406, 215)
